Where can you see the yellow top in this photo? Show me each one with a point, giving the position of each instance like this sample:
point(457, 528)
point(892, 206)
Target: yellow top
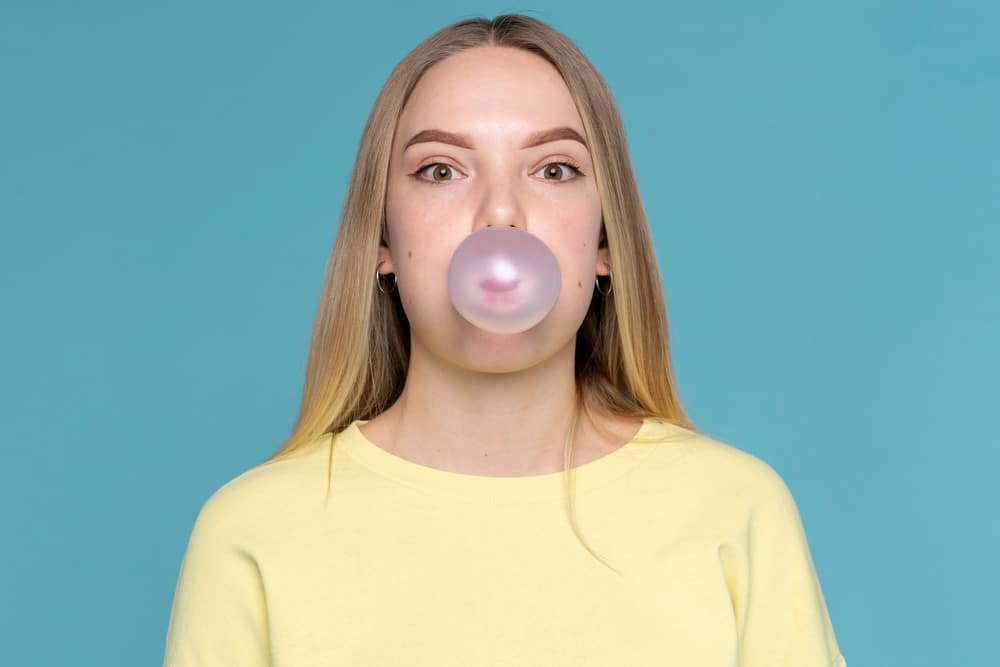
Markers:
point(412, 565)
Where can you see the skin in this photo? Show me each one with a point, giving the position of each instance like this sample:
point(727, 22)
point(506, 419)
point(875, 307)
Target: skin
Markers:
point(477, 402)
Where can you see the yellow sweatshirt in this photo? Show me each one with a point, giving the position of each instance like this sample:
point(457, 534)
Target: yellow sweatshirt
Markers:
point(411, 565)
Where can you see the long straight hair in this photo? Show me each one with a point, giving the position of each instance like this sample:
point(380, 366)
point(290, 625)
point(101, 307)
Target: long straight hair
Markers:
point(360, 344)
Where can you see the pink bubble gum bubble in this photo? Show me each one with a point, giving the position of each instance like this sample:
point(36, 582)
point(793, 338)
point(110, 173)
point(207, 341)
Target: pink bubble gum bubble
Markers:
point(503, 280)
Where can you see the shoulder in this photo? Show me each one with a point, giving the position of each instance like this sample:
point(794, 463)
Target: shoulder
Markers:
point(717, 467)
point(268, 493)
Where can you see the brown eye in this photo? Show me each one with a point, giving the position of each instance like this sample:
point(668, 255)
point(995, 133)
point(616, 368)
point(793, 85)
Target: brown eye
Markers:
point(439, 173)
point(559, 171)
point(554, 170)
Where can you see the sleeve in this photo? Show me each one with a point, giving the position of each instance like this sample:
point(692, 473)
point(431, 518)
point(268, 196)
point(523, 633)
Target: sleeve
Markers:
point(785, 621)
point(218, 616)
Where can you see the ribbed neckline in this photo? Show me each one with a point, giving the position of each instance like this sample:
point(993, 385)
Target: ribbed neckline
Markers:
point(494, 490)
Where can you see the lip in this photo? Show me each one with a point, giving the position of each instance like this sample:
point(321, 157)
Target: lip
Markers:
point(494, 285)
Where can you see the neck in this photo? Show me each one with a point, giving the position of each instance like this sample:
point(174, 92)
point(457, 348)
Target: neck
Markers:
point(485, 423)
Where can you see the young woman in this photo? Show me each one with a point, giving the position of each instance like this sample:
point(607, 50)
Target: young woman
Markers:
point(451, 495)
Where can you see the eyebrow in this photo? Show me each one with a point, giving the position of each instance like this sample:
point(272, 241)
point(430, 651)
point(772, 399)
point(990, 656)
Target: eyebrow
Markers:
point(463, 140)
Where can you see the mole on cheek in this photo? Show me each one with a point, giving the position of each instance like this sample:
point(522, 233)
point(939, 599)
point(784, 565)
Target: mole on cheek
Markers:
point(409, 253)
point(578, 284)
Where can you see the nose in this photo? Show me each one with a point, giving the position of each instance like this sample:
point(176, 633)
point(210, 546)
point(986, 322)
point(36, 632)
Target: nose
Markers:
point(500, 204)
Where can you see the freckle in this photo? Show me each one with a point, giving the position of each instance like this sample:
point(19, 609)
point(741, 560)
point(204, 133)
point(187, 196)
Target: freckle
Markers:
point(409, 253)
point(578, 284)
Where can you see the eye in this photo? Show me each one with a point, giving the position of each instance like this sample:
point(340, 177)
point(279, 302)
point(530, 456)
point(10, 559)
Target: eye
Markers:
point(438, 175)
point(554, 171)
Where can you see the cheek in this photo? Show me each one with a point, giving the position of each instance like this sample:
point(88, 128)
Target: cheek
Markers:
point(574, 232)
point(422, 257)
point(580, 217)
point(425, 224)
point(576, 254)
point(583, 259)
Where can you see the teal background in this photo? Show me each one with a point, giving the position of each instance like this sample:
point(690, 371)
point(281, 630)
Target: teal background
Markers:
point(821, 180)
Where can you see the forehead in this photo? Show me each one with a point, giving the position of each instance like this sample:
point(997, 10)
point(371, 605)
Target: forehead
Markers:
point(488, 90)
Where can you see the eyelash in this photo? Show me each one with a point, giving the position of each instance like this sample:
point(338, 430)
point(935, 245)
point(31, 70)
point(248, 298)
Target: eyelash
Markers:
point(416, 174)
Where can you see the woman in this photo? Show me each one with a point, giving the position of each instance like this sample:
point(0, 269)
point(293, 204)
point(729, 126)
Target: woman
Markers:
point(443, 447)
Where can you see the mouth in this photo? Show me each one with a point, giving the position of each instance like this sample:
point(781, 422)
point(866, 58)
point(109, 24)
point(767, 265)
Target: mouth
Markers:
point(494, 285)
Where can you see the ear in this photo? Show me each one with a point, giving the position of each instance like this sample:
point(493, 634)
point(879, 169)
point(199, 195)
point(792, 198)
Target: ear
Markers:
point(384, 264)
point(603, 255)
point(603, 261)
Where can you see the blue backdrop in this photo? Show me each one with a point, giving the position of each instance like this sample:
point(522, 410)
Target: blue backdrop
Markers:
point(820, 180)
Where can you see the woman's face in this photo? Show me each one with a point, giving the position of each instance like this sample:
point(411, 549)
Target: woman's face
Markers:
point(472, 150)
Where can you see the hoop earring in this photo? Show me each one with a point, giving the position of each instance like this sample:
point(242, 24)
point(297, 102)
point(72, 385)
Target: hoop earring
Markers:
point(597, 283)
point(378, 282)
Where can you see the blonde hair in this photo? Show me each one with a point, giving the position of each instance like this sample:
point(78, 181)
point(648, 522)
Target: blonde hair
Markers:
point(360, 344)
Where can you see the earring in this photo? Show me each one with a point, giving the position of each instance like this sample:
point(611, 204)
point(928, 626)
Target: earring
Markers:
point(597, 283)
point(378, 282)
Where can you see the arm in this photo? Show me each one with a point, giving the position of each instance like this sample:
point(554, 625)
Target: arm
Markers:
point(218, 615)
point(782, 615)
